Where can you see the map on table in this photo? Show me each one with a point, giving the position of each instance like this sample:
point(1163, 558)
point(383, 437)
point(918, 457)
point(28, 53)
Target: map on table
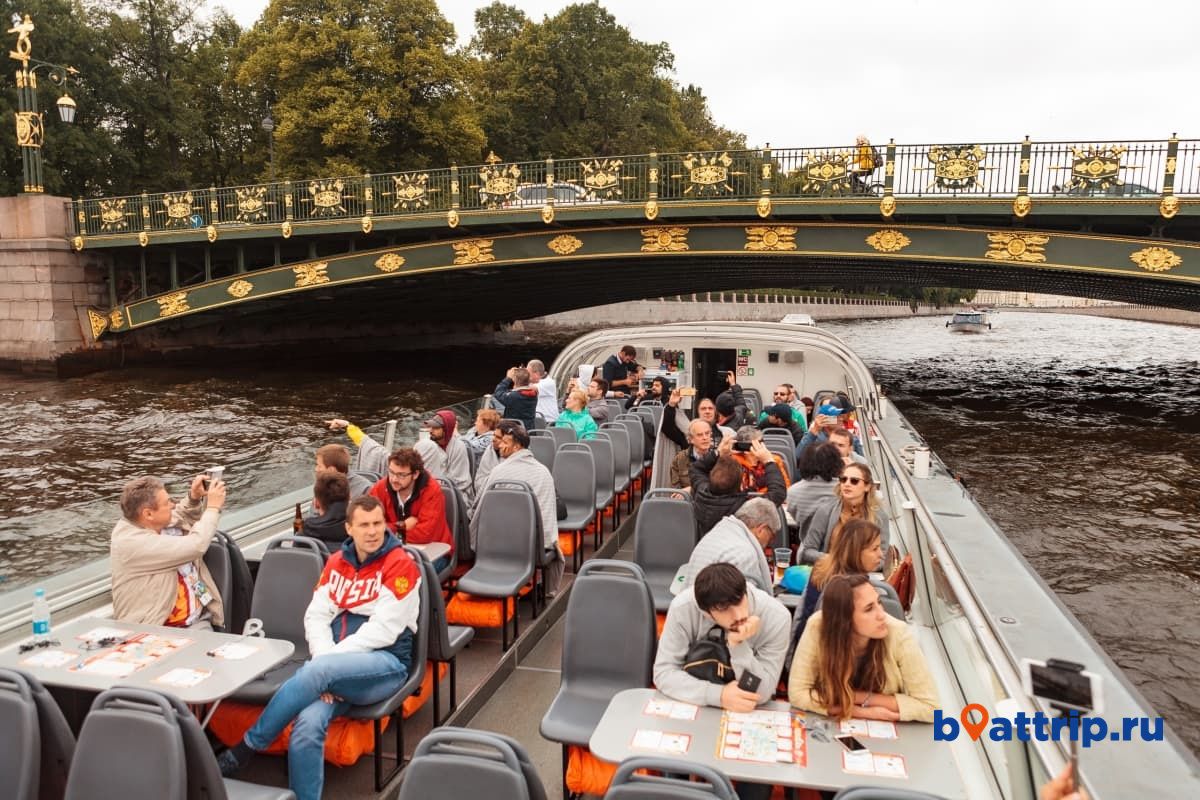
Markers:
point(768, 737)
point(135, 651)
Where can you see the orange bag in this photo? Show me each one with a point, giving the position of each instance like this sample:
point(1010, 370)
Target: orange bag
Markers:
point(587, 774)
point(418, 698)
point(566, 543)
point(659, 621)
point(483, 612)
point(346, 741)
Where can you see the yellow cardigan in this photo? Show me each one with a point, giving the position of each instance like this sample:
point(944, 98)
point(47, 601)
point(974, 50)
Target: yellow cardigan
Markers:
point(907, 676)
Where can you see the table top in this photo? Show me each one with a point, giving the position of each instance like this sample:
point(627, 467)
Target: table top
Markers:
point(929, 765)
point(197, 666)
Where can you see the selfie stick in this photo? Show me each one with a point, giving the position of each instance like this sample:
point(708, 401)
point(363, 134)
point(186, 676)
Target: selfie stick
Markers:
point(1064, 711)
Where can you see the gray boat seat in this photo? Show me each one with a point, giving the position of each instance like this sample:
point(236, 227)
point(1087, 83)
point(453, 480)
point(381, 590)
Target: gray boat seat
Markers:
point(506, 549)
point(21, 757)
point(289, 570)
point(608, 646)
point(602, 452)
point(446, 641)
point(664, 537)
point(456, 517)
point(216, 558)
point(575, 484)
point(543, 448)
point(883, 793)
point(563, 434)
point(456, 762)
point(676, 782)
point(121, 732)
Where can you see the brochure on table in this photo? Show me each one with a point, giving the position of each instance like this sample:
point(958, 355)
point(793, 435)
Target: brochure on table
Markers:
point(767, 737)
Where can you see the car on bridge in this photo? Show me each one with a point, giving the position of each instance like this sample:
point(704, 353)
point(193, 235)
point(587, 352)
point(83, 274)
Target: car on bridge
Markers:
point(533, 195)
point(1112, 190)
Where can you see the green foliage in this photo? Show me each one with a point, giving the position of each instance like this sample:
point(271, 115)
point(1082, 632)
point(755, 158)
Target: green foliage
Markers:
point(171, 97)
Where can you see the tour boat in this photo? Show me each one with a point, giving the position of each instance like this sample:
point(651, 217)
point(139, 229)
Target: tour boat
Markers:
point(969, 322)
point(978, 611)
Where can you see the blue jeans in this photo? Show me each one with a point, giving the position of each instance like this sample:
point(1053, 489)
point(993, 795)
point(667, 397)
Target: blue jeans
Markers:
point(441, 563)
point(358, 678)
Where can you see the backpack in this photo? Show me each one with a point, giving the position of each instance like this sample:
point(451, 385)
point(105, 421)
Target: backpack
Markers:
point(708, 658)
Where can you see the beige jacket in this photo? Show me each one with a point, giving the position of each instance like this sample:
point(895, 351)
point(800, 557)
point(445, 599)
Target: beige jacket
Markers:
point(144, 564)
point(907, 675)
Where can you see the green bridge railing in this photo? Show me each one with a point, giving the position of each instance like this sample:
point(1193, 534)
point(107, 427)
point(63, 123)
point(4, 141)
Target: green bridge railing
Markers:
point(1020, 171)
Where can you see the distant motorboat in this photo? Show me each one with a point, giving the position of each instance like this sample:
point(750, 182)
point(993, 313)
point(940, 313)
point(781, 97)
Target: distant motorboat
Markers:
point(969, 322)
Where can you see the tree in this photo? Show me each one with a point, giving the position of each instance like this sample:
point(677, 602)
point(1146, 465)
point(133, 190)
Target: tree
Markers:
point(697, 119)
point(360, 86)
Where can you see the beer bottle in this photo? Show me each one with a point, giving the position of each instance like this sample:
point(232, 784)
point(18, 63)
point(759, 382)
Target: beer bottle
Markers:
point(298, 521)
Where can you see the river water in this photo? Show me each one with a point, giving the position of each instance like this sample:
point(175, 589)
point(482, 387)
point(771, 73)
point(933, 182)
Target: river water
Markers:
point(1080, 436)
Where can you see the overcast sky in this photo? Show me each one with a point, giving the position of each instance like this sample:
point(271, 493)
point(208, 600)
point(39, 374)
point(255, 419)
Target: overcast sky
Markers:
point(938, 71)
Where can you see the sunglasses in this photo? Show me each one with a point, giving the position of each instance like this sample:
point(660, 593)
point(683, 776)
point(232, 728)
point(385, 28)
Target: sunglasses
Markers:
point(850, 479)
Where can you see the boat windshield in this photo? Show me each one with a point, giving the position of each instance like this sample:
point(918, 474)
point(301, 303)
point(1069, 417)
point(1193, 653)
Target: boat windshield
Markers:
point(971, 319)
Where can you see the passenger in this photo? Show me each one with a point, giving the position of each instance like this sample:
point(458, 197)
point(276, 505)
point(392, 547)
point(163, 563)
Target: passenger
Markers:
point(856, 550)
point(519, 464)
point(445, 454)
point(740, 540)
point(797, 404)
point(359, 626)
point(730, 405)
point(158, 572)
point(700, 442)
point(1062, 787)
point(846, 419)
point(843, 440)
point(597, 406)
point(753, 624)
point(547, 397)
point(808, 404)
point(576, 416)
point(780, 416)
point(855, 499)
point(336, 458)
point(517, 396)
point(487, 462)
point(658, 391)
point(856, 660)
point(331, 493)
point(717, 481)
point(413, 505)
point(779, 397)
point(818, 469)
point(479, 437)
point(754, 478)
point(616, 371)
point(818, 433)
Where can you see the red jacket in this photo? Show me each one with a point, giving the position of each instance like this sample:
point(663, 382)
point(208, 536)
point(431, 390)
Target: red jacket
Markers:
point(426, 504)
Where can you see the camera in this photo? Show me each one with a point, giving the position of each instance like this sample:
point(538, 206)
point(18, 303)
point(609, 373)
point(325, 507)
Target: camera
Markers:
point(742, 447)
point(212, 474)
point(1064, 684)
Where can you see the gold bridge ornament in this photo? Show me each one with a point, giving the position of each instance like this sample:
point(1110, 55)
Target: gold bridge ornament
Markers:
point(179, 206)
point(770, 239)
point(311, 274)
point(708, 176)
point(564, 245)
point(327, 197)
point(389, 262)
point(602, 179)
point(116, 320)
point(664, 240)
point(98, 322)
point(498, 181)
point(113, 216)
point(888, 241)
point(1155, 259)
point(826, 173)
point(1027, 248)
point(173, 304)
point(240, 288)
point(251, 203)
point(955, 167)
point(474, 251)
point(411, 192)
point(1096, 168)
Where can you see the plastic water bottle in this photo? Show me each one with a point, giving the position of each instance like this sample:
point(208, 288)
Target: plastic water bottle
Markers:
point(41, 616)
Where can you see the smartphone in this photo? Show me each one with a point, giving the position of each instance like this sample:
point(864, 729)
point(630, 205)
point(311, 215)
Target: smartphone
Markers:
point(1063, 683)
point(749, 682)
point(851, 744)
point(212, 474)
point(743, 447)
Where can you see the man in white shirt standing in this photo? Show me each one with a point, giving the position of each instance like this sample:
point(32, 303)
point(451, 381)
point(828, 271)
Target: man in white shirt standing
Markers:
point(547, 402)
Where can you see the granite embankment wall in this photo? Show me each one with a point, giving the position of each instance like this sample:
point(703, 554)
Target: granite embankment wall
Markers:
point(728, 306)
point(1167, 316)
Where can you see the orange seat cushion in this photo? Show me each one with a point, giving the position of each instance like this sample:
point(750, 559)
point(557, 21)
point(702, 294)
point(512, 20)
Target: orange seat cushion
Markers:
point(587, 774)
point(477, 612)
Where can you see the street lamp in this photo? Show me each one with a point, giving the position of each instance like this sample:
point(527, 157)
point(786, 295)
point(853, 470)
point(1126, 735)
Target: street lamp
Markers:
point(268, 125)
point(30, 129)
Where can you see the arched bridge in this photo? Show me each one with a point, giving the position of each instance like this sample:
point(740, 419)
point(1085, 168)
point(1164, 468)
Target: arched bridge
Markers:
point(1117, 221)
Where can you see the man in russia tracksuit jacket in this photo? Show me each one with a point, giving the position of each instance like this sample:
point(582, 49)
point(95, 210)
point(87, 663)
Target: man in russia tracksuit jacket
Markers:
point(359, 626)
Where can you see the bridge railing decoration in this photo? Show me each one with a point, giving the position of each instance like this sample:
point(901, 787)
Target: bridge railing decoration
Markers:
point(1022, 172)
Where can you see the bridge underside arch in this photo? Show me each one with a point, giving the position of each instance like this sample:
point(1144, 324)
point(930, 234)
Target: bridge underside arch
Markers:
point(522, 275)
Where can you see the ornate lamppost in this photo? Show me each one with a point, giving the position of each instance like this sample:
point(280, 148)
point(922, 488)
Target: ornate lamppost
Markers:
point(30, 129)
point(268, 125)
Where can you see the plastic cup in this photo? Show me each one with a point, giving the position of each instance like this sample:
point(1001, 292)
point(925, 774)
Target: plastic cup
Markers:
point(783, 559)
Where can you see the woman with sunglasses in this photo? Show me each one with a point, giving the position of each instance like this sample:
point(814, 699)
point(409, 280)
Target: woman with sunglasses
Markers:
point(854, 498)
point(856, 660)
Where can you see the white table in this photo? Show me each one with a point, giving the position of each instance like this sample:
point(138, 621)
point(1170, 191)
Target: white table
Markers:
point(930, 765)
point(204, 667)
